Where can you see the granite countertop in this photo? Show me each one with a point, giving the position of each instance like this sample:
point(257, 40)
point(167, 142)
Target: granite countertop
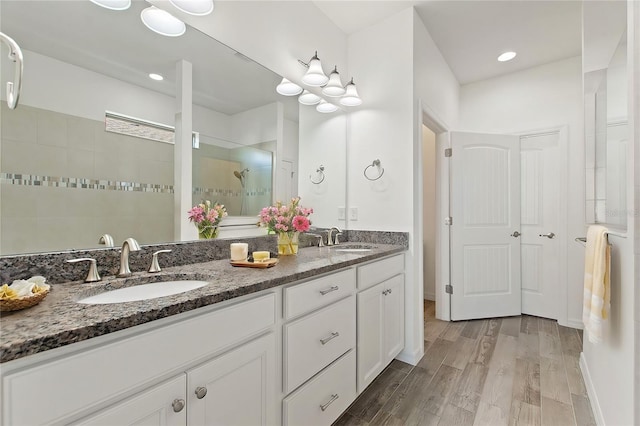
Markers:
point(59, 320)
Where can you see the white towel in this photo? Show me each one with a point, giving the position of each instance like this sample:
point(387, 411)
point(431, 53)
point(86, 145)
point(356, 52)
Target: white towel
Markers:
point(597, 291)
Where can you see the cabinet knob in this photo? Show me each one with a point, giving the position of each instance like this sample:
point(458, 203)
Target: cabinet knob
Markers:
point(201, 392)
point(178, 405)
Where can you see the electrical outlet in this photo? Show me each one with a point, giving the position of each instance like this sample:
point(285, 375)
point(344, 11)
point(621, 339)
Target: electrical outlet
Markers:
point(341, 213)
point(353, 213)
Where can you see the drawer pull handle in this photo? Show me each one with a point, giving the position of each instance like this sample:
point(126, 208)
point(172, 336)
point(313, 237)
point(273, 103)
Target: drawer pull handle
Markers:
point(201, 392)
point(323, 407)
point(178, 405)
point(329, 290)
point(327, 339)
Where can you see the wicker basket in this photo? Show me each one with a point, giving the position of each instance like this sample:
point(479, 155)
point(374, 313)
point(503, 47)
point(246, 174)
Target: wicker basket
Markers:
point(7, 305)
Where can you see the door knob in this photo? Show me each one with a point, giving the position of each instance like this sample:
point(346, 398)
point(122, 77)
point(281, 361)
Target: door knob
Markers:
point(201, 392)
point(550, 235)
point(516, 234)
point(178, 405)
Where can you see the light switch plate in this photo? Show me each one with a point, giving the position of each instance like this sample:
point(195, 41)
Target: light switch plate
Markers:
point(353, 213)
point(341, 213)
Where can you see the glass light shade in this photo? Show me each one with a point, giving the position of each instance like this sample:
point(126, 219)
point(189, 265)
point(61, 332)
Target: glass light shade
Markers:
point(288, 88)
point(157, 77)
point(113, 4)
point(194, 7)
point(326, 107)
point(351, 97)
point(315, 76)
point(506, 56)
point(308, 98)
point(334, 86)
point(162, 22)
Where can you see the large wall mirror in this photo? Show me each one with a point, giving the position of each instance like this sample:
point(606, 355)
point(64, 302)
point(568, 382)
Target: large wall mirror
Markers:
point(606, 97)
point(66, 181)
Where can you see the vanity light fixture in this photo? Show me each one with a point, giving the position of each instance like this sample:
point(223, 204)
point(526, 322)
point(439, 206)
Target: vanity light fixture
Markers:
point(506, 56)
point(334, 87)
point(156, 77)
point(308, 98)
point(162, 22)
point(315, 76)
point(194, 7)
point(326, 107)
point(113, 4)
point(288, 88)
point(351, 97)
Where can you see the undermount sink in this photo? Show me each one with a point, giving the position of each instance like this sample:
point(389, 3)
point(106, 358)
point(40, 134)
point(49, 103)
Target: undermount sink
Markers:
point(143, 292)
point(353, 248)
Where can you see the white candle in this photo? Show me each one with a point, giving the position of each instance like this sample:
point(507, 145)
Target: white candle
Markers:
point(239, 251)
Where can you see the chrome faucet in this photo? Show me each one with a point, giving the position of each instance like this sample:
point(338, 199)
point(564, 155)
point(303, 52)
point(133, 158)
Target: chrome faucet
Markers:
point(331, 241)
point(319, 237)
point(129, 245)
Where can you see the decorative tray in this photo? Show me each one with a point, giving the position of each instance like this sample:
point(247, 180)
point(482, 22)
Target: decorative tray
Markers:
point(266, 264)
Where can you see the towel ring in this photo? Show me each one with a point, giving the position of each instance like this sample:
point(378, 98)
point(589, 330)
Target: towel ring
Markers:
point(320, 173)
point(376, 163)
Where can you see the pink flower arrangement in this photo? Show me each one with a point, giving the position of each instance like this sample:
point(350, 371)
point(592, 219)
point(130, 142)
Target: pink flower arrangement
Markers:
point(289, 218)
point(207, 217)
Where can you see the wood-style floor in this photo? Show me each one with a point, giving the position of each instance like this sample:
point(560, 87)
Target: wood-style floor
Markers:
point(504, 371)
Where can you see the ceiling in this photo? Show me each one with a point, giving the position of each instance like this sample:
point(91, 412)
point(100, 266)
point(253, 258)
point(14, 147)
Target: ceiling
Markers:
point(471, 34)
point(81, 33)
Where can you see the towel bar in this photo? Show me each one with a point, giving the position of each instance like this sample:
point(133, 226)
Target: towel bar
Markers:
point(583, 240)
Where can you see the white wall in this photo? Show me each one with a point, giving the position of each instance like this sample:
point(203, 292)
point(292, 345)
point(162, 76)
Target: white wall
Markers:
point(323, 141)
point(429, 212)
point(538, 98)
point(610, 367)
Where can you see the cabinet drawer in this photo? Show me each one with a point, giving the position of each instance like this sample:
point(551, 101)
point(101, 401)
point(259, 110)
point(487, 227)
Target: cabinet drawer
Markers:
point(306, 297)
point(126, 364)
point(325, 397)
point(378, 271)
point(314, 341)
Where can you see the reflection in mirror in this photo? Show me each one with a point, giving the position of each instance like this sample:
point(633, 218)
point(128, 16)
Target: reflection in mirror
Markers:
point(606, 130)
point(66, 181)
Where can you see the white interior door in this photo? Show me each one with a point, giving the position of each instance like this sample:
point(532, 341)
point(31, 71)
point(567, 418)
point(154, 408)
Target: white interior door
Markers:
point(540, 240)
point(485, 206)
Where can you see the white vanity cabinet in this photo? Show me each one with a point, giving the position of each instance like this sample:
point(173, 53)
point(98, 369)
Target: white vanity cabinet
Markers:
point(162, 405)
point(380, 316)
point(117, 369)
point(319, 349)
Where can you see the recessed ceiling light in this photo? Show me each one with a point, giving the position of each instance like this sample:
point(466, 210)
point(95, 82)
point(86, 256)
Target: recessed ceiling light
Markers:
point(157, 77)
point(113, 4)
point(162, 22)
point(506, 56)
point(194, 7)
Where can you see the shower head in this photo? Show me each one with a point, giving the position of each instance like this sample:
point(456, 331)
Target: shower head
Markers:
point(237, 174)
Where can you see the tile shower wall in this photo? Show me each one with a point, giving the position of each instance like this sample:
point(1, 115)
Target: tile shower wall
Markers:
point(214, 179)
point(65, 182)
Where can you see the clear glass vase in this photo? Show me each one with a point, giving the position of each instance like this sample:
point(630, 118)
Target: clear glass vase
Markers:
point(288, 243)
point(208, 232)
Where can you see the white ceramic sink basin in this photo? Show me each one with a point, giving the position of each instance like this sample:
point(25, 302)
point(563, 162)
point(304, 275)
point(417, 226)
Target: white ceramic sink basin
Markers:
point(143, 292)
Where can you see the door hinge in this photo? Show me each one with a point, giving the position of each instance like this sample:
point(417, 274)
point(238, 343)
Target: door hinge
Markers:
point(448, 152)
point(448, 220)
point(448, 289)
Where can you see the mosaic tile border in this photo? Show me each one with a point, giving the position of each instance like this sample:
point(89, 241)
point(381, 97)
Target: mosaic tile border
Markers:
point(82, 183)
point(228, 192)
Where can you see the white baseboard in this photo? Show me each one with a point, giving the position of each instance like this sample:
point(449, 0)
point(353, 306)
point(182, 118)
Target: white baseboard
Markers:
point(412, 358)
point(430, 296)
point(591, 391)
point(575, 323)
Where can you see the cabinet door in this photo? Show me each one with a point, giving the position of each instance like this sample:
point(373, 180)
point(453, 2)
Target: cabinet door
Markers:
point(371, 328)
point(237, 388)
point(393, 317)
point(162, 405)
